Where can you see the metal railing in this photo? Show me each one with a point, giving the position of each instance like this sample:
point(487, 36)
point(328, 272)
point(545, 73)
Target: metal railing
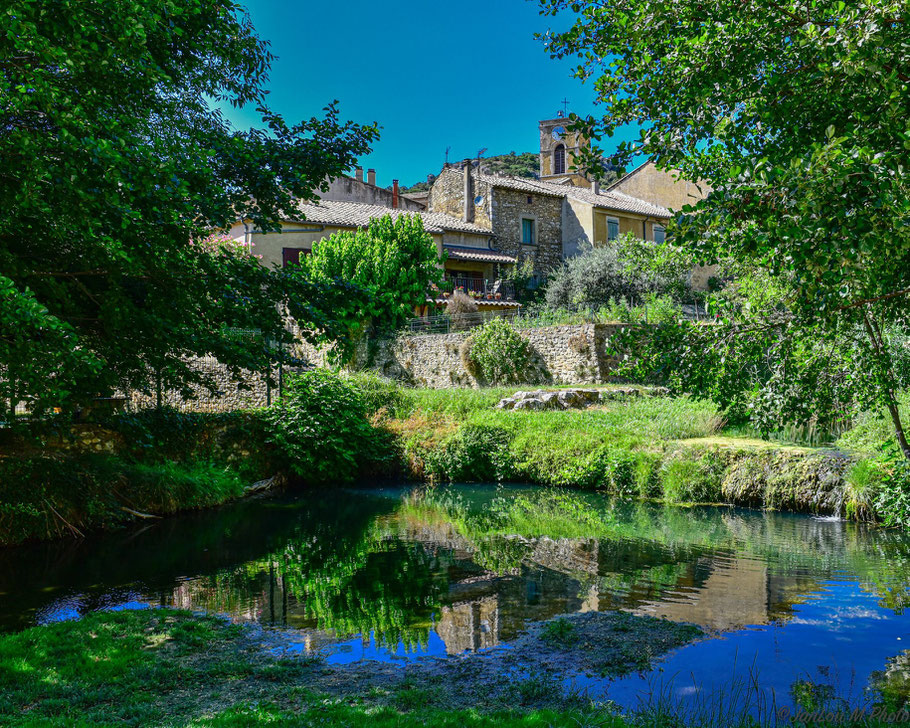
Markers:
point(483, 286)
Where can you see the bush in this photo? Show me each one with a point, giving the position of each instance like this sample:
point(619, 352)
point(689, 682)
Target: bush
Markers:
point(500, 354)
point(462, 310)
point(891, 489)
point(322, 427)
point(687, 480)
point(380, 394)
point(476, 453)
point(627, 268)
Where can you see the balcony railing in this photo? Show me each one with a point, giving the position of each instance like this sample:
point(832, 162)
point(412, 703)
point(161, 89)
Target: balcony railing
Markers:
point(482, 286)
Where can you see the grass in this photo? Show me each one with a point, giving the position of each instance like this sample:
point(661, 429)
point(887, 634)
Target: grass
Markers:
point(671, 448)
point(170, 668)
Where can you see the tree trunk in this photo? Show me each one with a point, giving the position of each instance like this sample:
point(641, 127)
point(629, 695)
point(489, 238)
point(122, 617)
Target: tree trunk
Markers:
point(878, 344)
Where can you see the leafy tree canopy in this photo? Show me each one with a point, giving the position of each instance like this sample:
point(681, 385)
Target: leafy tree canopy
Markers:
point(795, 114)
point(117, 166)
point(393, 261)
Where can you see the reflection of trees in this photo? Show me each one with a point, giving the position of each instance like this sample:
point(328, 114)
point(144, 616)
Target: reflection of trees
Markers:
point(890, 688)
point(386, 587)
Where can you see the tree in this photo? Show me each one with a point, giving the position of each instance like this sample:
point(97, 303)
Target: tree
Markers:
point(117, 167)
point(394, 261)
point(795, 114)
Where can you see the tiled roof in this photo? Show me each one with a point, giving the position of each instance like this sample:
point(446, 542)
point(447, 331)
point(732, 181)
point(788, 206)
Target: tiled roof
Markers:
point(606, 199)
point(460, 252)
point(356, 214)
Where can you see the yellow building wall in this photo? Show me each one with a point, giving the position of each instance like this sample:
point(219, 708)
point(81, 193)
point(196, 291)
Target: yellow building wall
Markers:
point(661, 188)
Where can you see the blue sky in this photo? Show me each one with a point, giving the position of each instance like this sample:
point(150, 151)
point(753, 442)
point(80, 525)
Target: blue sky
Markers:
point(462, 74)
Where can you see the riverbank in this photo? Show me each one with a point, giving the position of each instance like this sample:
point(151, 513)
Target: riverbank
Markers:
point(166, 667)
point(158, 667)
point(635, 443)
point(68, 481)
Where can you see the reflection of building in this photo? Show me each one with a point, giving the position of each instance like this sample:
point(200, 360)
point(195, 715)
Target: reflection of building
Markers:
point(535, 580)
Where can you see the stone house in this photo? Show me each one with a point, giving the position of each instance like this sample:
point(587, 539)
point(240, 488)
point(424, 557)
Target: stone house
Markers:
point(471, 259)
point(551, 218)
point(356, 189)
point(668, 189)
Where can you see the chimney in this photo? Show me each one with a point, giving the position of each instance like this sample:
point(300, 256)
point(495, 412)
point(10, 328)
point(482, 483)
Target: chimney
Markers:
point(371, 177)
point(595, 185)
point(468, 192)
point(395, 193)
point(358, 174)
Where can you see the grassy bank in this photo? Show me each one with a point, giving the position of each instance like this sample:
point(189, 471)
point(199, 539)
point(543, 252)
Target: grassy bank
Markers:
point(168, 668)
point(331, 430)
point(672, 449)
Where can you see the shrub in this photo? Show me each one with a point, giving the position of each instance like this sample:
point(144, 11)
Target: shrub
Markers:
point(462, 310)
point(862, 482)
point(688, 480)
point(627, 268)
point(322, 427)
point(891, 490)
point(500, 354)
point(380, 394)
point(476, 453)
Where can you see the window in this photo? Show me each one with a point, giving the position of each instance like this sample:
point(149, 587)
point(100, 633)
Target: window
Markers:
point(559, 159)
point(612, 228)
point(291, 256)
point(527, 232)
point(660, 233)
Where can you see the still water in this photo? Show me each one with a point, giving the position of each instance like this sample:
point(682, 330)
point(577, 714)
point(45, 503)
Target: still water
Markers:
point(396, 574)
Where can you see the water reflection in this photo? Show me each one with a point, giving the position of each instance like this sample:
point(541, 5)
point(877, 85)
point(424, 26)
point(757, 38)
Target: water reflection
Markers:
point(399, 573)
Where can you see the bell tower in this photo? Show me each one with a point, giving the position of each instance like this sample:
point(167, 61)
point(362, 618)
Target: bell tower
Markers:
point(558, 148)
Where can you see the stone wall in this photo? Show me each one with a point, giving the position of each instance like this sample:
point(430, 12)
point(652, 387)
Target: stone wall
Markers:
point(248, 391)
point(562, 355)
point(510, 207)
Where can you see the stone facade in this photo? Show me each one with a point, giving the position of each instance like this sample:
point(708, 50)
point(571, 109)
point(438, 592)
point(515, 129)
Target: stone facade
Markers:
point(562, 355)
point(510, 207)
point(350, 189)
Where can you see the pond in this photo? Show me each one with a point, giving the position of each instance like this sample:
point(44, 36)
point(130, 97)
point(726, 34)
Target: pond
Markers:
point(397, 574)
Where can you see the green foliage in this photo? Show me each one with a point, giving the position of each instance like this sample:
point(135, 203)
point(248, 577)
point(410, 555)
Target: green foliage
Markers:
point(803, 142)
point(395, 261)
point(891, 494)
point(123, 167)
point(475, 454)
point(380, 395)
point(625, 269)
point(46, 497)
point(321, 426)
point(500, 354)
point(523, 164)
point(688, 479)
point(559, 632)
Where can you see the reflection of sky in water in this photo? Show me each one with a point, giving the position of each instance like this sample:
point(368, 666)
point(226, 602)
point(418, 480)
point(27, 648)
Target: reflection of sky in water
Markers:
point(346, 652)
point(74, 606)
point(836, 639)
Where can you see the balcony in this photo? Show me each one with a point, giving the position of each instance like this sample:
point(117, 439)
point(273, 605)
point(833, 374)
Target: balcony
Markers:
point(481, 288)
